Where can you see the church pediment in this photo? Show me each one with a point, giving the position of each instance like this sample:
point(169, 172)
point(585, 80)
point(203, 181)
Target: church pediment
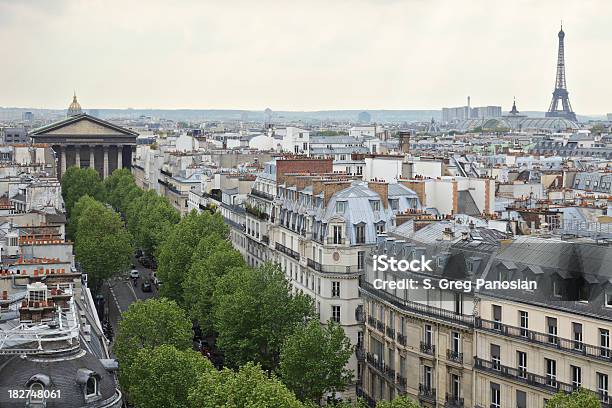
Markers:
point(83, 125)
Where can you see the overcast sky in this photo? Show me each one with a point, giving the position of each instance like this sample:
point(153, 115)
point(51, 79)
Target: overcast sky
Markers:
point(302, 55)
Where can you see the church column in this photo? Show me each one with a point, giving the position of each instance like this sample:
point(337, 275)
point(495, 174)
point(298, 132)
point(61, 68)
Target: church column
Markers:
point(120, 156)
point(105, 161)
point(77, 156)
point(63, 159)
point(91, 157)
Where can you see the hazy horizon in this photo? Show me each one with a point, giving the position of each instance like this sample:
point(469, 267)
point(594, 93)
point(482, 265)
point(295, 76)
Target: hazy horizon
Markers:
point(335, 55)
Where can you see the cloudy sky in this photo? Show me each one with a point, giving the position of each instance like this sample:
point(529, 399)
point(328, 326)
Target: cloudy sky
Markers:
point(302, 55)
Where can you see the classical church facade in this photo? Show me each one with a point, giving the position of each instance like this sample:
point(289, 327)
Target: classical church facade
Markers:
point(86, 141)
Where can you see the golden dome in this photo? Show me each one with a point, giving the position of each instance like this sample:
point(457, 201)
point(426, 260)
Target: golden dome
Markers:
point(74, 108)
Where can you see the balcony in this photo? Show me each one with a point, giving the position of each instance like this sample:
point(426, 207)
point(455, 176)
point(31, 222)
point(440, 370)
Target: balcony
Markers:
point(402, 382)
point(454, 356)
point(522, 376)
point(401, 339)
point(380, 326)
point(235, 224)
point(417, 308)
point(360, 353)
point(287, 251)
point(362, 394)
point(452, 401)
point(336, 240)
point(265, 239)
point(379, 365)
point(327, 268)
point(427, 393)
point(257, 213)
point(263, 195)
point(372, 321)
point(547, 340)
point(428, 348)
point(390, 332)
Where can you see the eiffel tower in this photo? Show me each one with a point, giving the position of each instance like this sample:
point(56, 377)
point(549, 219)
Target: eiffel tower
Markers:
point(560, 94)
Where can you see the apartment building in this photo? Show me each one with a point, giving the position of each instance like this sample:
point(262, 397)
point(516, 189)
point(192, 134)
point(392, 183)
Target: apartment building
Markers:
point(419, 341)
point(533, 344)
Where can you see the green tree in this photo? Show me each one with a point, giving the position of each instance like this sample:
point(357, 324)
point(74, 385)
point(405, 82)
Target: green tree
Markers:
point(150, 217)
point(102, 245)
point(254, 312)
point(77, 182)
point(313, 360)
point(580, 398)
point(121, 189)
point(176, 251)
point(250, 387)
point(401, 401)
point(164, 375)
point(84, 202)
point(149, 324)
point(213, 258)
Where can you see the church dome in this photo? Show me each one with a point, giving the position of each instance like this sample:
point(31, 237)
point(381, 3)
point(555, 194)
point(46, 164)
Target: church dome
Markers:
point(74, 108)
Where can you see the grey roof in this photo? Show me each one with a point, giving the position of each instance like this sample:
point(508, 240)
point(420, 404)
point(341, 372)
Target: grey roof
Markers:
point(466, 203)
point(62, 373)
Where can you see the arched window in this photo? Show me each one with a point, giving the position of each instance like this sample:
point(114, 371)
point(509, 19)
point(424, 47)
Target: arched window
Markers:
point(91, 389)
point(36, 393)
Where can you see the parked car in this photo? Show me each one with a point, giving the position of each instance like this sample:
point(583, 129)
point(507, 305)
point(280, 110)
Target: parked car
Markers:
point(146, 286)
point(134, 274)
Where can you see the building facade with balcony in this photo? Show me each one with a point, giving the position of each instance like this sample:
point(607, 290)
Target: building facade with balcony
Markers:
point(420, 342)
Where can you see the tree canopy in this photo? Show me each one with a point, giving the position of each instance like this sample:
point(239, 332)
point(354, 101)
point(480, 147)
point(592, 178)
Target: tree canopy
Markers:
point(250, 387)
point(580, 398)
point(176, 251)
point(121, 189)
point(77, 182)
point(212, 259)
point(254, 311)
point(149, 324)
point(401, 401)
point(313, 360)
point(164, 375)
point(102, 245)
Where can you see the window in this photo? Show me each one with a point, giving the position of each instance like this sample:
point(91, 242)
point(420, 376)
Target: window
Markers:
point(495, 396)
point(336, 314)
point(576, 376)
point(557, 289)
point(380, 228)
point(36, 394)
point(551, 324)
point(577, 335)
point(455, 387)
point(335, 292)
point(360, 260)
point(604, 342)
point(608, 299)
point(497, 317)
point(375, 205)
point(521, 399)
point(394, 204)
point(427, 374)
point(427, 335)
point(495, 357)
point(551, 372)
point(337, 234)
point(340, 207)
point(391, 320)
point(458, 303)
point(524, 323)
point(521, 364)
point(360, 234)
point(91, 387)
point(319, 286)
point(456, 342)
point(602, 386)
point(359, 170)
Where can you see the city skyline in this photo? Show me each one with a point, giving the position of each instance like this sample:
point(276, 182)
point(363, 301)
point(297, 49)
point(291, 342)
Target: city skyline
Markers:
point(345, 55)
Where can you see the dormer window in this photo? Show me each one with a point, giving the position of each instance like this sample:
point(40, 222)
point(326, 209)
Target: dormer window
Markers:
point(91, 388)
point(37, 391)
point(375, 205)
point(608, 299)
point(340, 207)
point(380, 228)
point(90, 383)
point(469, 266)
point(556, 289)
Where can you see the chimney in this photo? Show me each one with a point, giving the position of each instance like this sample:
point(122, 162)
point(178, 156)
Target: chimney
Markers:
point(447, 234)
point(382, 188)
point(331, 187)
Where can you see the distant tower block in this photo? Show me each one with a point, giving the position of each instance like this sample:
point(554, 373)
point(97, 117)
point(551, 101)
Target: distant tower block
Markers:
point(560, 94)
